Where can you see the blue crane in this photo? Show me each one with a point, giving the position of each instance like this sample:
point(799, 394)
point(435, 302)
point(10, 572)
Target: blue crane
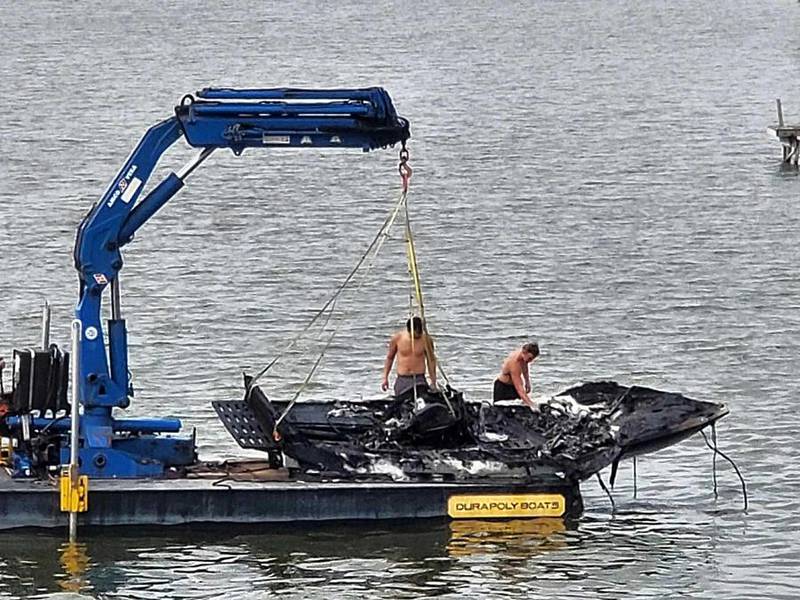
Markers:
point(214, 118)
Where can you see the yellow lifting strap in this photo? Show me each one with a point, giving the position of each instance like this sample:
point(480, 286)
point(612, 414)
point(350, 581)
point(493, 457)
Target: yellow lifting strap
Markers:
point(413, 269)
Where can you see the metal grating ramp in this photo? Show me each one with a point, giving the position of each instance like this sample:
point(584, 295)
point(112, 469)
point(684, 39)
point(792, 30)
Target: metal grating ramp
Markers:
point(243, 425)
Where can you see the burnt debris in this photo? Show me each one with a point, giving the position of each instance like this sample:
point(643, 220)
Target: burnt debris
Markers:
point(438, 435)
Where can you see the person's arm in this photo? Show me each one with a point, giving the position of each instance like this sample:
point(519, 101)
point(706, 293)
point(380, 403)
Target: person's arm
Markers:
point(526, 376)
point(430, 359)
point(516, 379)
point(387, 364)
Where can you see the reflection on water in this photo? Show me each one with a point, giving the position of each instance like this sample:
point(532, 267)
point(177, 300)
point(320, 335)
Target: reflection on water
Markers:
point(328, 561)
point(595, 556)
point(74, 566)
point(515, 538)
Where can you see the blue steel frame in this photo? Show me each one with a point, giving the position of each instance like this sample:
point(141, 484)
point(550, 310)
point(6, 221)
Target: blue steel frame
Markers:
point(216, 118)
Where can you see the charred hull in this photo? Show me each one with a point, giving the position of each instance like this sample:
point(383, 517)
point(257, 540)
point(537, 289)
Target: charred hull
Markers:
point(438, 436)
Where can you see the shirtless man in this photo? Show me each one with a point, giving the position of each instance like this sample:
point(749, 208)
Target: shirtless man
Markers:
point(414, 350)
point(514, 380)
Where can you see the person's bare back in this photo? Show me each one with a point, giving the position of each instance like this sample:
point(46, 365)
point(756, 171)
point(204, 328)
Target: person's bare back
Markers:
point(514, 380)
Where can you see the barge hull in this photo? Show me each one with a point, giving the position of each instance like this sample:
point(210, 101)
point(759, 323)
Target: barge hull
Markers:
point(26, 504)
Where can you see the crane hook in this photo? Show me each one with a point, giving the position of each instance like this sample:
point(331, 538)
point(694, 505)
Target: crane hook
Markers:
point(404, 168)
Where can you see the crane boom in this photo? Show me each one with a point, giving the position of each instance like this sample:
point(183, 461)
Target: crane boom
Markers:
point(214, 118)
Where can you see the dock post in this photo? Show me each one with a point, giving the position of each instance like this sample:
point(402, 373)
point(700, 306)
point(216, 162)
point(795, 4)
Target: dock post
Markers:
point(785, 150)
point(45, 325)
point(789, 137)
point(73, 438)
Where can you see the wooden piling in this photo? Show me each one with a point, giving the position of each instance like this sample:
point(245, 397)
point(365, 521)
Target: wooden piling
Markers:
point(789, 136)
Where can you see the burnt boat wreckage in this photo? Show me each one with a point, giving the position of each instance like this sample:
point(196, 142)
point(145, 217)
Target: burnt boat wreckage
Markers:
point(427, 454)
point(429, 435)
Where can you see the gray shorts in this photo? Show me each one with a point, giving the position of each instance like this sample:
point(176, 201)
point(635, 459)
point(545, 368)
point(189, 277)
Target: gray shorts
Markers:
point(403, 383)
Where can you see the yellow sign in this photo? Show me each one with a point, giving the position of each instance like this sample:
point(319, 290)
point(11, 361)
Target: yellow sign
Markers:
point(505, 506)
point(6, 451)
point(74, 499)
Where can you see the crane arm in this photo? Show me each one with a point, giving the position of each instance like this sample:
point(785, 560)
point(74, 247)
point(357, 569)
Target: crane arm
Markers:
point(214, 118)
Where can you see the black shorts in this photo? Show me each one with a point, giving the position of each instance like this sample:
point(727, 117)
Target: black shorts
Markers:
point(504, 391)
point(406, 383)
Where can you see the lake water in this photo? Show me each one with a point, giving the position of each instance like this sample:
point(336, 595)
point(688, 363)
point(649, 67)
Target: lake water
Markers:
point(597, 175)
